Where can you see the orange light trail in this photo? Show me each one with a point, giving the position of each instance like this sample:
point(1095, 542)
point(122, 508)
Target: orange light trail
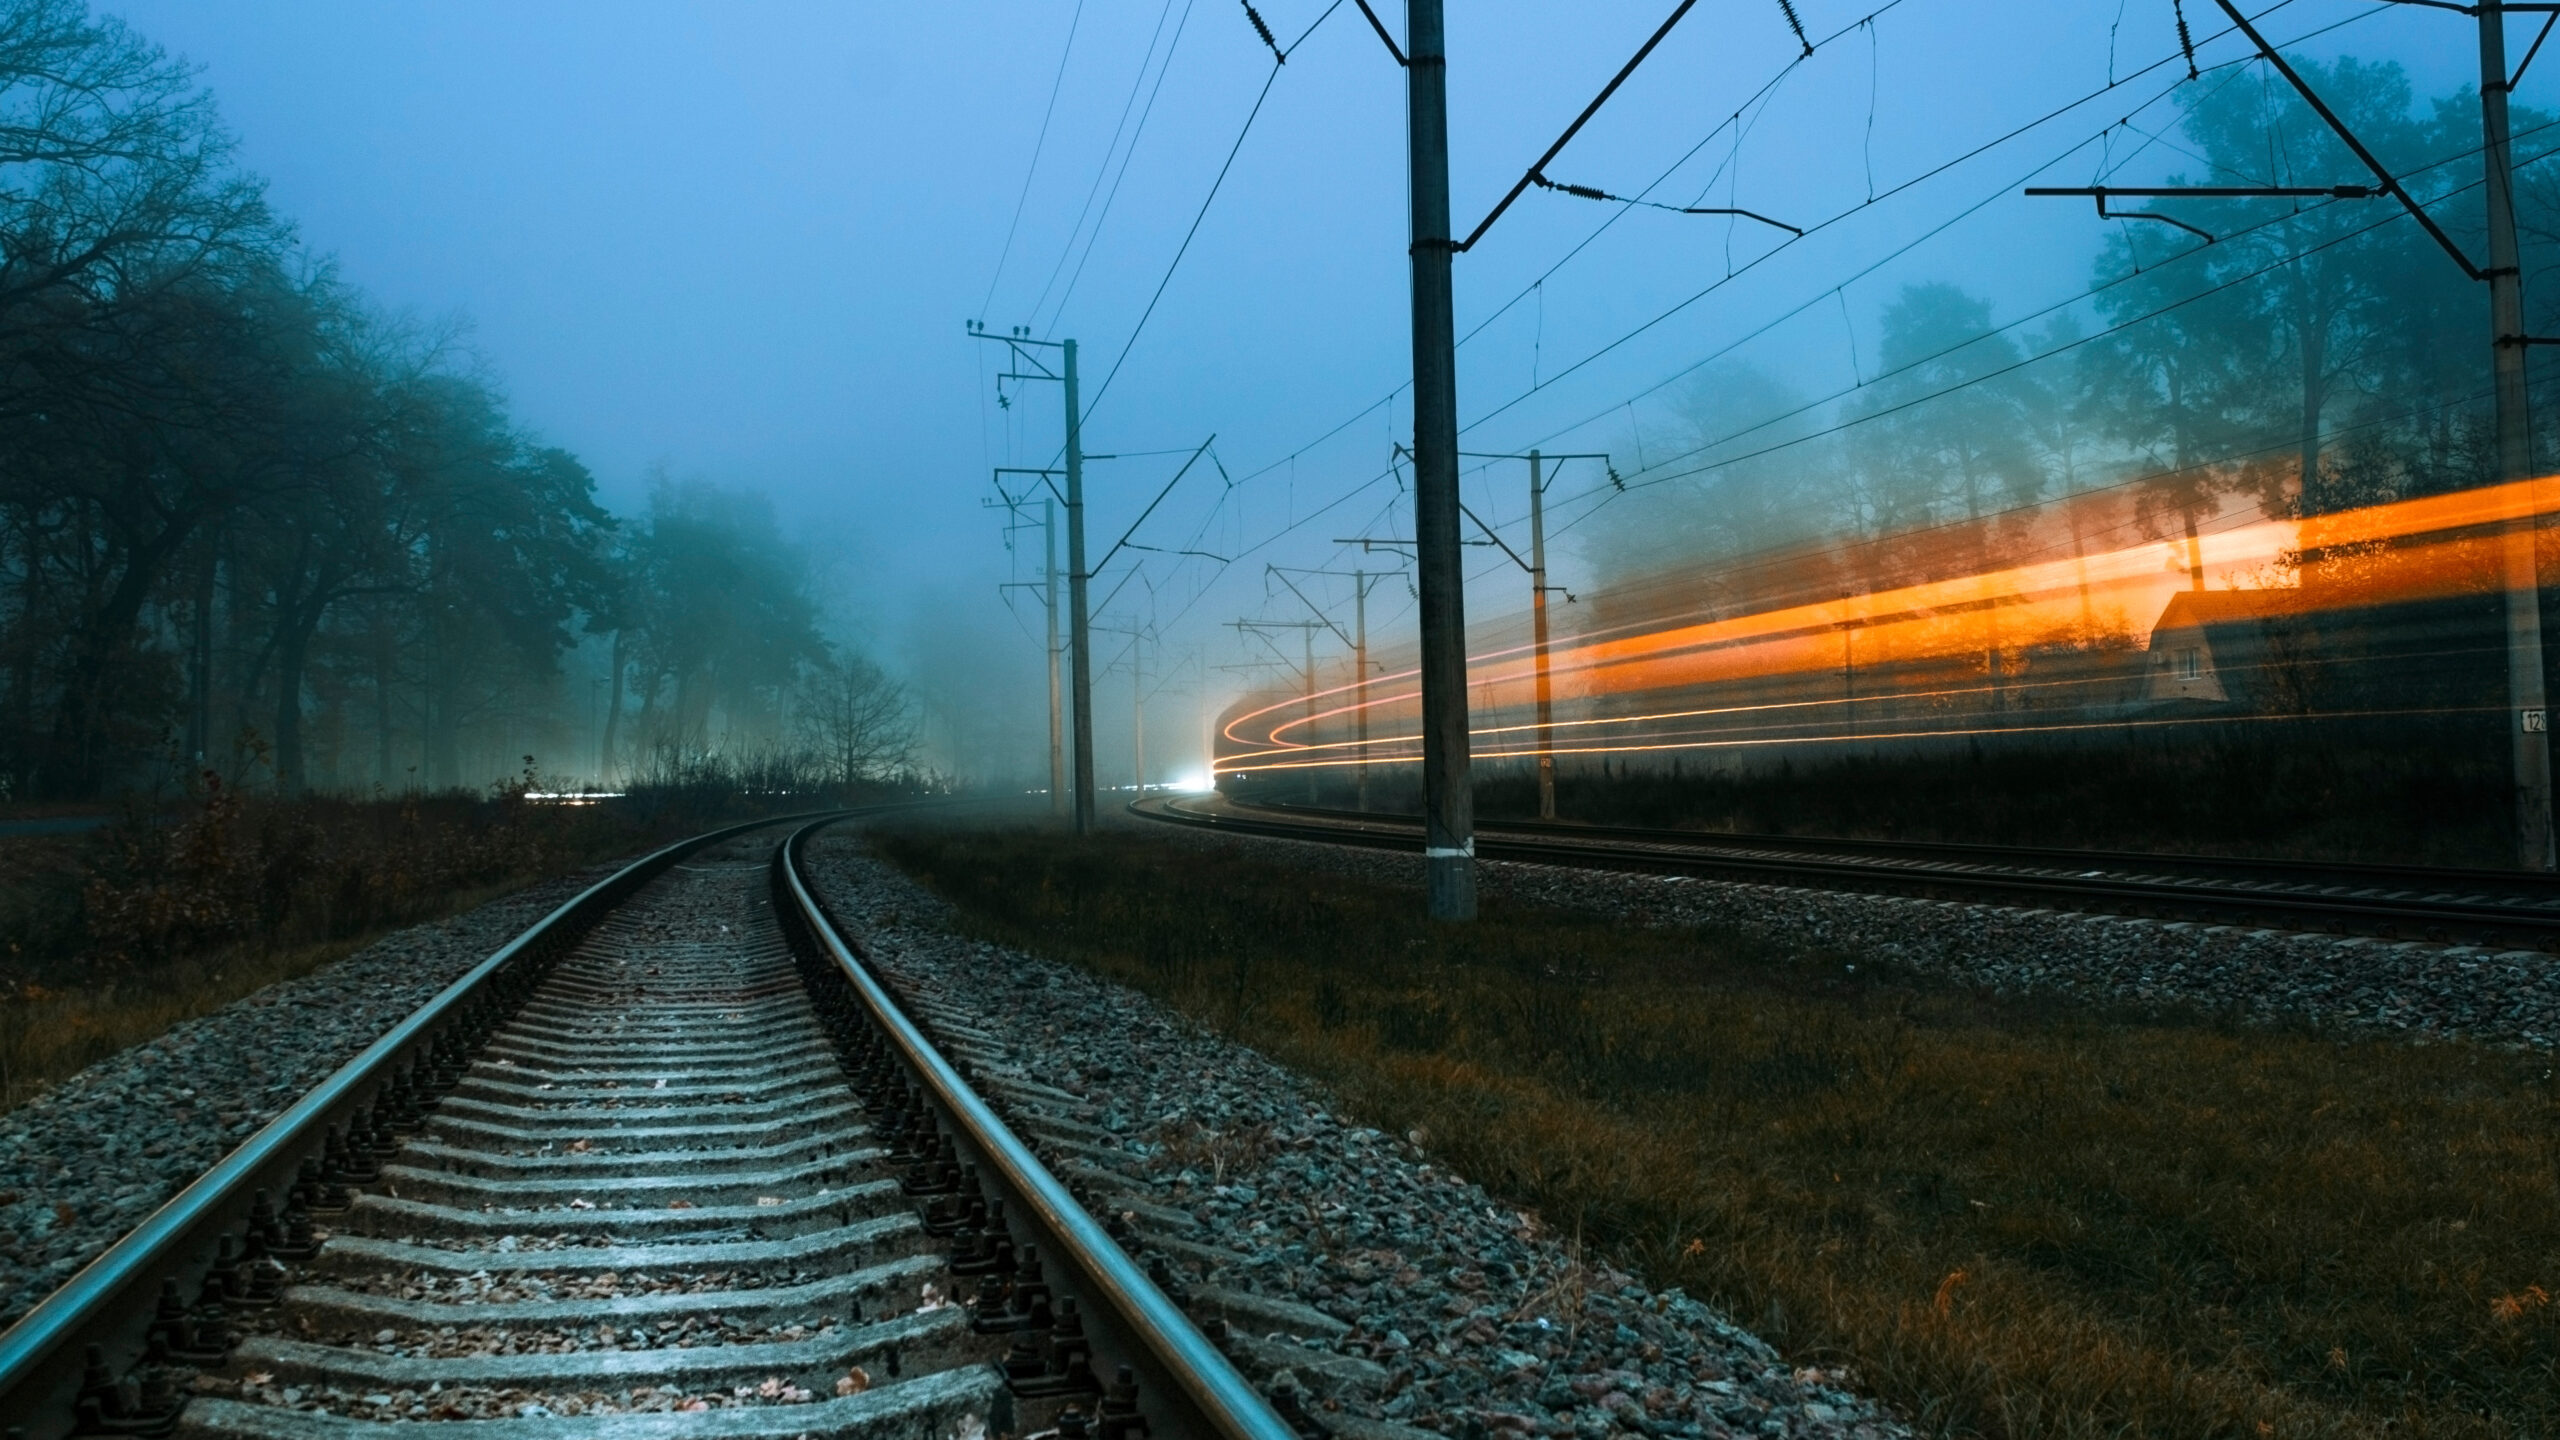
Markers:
point(1926, 645)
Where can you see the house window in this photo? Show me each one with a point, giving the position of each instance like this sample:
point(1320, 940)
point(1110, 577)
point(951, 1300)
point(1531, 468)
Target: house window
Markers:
point(2190, 664)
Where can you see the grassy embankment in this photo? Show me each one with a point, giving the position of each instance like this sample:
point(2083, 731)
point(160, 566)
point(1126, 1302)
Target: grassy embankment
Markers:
point(108, 939)
point(2012, 1218)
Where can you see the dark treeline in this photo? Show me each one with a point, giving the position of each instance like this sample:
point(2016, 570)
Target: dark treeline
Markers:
point(252, 525)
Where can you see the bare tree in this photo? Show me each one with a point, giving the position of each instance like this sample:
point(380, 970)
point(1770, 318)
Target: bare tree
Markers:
point(860, 719)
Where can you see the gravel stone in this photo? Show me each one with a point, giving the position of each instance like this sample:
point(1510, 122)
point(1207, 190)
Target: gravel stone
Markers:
point(83, 1163)
point(1347, 1274)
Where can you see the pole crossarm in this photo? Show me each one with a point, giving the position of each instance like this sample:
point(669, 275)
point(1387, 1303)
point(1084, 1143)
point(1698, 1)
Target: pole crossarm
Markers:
point(1255, 628)
point(1160, 550)
point(1538, 170)
point(2333, 192)
point(2101, 192)
point(1383, 37)
point(1312, 607)
point(2320, 107)
point(1152, 504)
point(2532, 7)
point(1496, 539)
point(1586, 192)
point(2526, 63)
point(1047, 480)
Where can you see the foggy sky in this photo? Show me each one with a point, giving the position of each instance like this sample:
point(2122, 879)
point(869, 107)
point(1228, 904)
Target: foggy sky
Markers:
point(741, 240)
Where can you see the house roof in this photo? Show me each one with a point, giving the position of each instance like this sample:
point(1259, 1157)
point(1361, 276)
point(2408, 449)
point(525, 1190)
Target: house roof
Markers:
point(2189, 609)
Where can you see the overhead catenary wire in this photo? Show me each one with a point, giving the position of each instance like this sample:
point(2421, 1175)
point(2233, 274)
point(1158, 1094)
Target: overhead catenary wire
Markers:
point(1279, 58)
point(1184, 248)
point(1300, 521)
point(1888, 194)
point(1609, 495)
point(1855, 421)
point(2130, 481)
point(2113, 84)
point(1677, 308)
point(1533, 287)
point(1032, 171)
point(2231, 283)
point(1102, 172)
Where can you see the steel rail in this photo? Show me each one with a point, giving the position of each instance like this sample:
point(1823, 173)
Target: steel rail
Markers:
point(108, 1303)
point(2534, 885)
point(2048, 883)
point(1159, 1339)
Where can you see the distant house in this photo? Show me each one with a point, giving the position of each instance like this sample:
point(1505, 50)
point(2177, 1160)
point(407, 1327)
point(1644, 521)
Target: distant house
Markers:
point(2210, 646)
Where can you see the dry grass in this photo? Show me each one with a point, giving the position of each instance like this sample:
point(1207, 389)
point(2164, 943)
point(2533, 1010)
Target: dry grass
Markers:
point(116, 936)
point(49, 1034)
point(2012, 1218)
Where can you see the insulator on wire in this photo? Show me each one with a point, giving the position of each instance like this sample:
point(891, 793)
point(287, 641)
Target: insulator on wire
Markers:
point(1787, 7)
point(2186, 42)
point(1584, 191)
point(1263, 30)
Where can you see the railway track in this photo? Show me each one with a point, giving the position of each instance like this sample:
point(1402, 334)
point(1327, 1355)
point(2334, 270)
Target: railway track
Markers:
point(2500, 909)
point(671, 1164)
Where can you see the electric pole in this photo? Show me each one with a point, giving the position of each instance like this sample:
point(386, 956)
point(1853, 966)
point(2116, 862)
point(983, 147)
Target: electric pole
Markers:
point(1536, 566)
point(1448, 799)
point(1360, 689)
point(1538, 636)
point(1307, 669)
point(1358, 640)
point(1137, 708)
point(2530, 735)
point(1057, 722)
point(1079, 637)
point(1048, 588)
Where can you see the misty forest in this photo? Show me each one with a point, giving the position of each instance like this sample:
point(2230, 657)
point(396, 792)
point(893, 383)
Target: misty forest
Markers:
point(259, 527)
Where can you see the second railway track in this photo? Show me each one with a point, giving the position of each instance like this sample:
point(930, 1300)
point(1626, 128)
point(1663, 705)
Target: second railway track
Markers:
point(689, 1173)
point(2504, 910)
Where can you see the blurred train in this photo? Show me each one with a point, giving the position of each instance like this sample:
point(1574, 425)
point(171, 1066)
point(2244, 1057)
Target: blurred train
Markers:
point(2393, 617)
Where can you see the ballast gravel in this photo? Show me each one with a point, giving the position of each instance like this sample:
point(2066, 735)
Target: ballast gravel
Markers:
point(2407, 987)
point(1451, 1314)
point(83, 1163)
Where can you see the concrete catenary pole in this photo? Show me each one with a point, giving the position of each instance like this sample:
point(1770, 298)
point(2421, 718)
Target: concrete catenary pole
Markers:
point(1079, 634)
point(1307, 640)
point(2529, 730)
point(1448, 798)
point(1538, 625)
point(1057, 722)
point(1360, 686)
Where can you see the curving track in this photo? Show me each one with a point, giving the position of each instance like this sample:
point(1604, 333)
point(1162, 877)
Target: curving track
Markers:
point(669, 1165)
point(2502, 909)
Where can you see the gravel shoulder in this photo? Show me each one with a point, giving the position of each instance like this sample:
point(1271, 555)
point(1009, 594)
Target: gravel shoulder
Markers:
point(2410, 988)
point(1379, 1293)
point(83, 1163)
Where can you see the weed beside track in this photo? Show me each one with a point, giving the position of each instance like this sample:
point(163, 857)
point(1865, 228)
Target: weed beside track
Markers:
point(2013, 1217)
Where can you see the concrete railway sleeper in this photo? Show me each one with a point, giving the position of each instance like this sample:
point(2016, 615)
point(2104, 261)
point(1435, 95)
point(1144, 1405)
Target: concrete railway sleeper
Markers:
point(670, 1165)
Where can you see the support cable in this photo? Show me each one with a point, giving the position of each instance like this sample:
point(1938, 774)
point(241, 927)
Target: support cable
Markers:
point(1037, 146)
